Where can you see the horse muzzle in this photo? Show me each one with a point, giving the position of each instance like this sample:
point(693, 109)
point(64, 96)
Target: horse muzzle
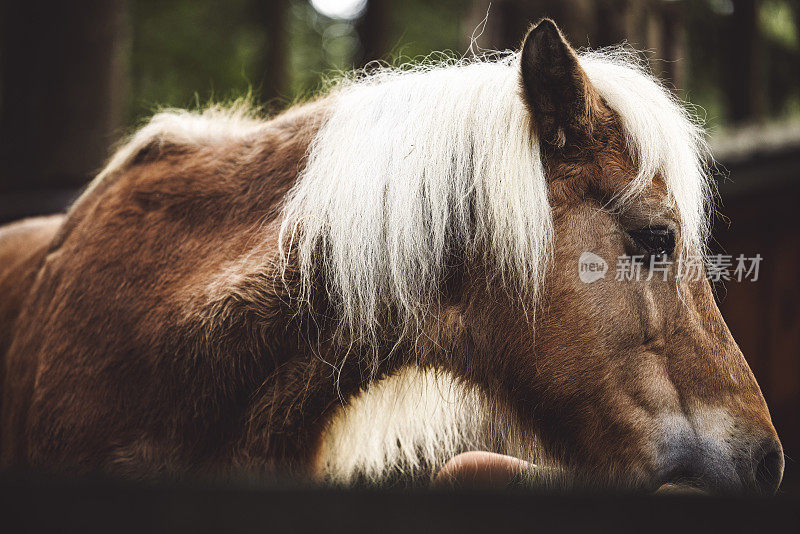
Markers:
point(731, 465)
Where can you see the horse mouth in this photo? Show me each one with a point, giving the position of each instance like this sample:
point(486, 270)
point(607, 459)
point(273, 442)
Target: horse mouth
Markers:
point(684, 482)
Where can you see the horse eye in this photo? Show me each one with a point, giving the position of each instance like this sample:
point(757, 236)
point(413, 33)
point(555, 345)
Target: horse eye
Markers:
point(654, 240)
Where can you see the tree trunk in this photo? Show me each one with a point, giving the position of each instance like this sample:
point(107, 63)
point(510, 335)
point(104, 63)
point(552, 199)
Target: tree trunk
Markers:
point(64, 91)
point(274, 85)
point(611, 27)
point(509, 20)
point(743, 78)
point(373, 30)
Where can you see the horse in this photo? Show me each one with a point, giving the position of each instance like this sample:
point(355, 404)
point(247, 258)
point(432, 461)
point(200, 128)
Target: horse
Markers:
point(381, 286)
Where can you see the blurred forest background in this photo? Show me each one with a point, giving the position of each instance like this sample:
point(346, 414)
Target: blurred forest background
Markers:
point(76, 76)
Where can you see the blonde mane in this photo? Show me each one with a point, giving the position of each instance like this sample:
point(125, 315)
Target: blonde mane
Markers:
point(414, 163)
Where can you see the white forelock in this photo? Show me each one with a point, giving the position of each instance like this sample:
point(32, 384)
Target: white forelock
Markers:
point(663, 136)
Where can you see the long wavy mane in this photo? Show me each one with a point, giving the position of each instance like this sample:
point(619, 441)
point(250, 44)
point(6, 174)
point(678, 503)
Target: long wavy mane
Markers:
point(418, 167)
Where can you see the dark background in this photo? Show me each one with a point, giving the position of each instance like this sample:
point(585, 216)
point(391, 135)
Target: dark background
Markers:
point(75, 77)
point(45, 505)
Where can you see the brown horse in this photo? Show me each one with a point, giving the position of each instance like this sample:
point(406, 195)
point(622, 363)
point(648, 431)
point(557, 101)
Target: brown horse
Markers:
point(369, 286)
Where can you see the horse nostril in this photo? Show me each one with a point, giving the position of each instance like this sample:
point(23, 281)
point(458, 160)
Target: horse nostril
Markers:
point(769, 470)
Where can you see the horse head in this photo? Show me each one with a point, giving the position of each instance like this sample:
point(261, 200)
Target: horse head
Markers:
point(620, 381)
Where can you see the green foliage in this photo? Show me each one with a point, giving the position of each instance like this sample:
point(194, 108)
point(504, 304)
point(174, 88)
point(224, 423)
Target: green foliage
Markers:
point(188, 52)
point(321, 47)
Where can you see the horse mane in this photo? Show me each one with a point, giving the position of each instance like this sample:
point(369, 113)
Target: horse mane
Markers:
point(420, 166)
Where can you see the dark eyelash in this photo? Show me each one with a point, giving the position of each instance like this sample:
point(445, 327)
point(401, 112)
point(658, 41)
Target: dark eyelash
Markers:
point(654, 240)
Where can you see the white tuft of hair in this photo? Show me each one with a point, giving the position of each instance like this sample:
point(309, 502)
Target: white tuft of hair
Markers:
point(663, 136)
point(410, 424)
point(415, 163)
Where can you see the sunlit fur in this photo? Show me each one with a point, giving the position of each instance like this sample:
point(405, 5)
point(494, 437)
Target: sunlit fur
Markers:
point(414, 164)
point(185, 128)
point(410, 424)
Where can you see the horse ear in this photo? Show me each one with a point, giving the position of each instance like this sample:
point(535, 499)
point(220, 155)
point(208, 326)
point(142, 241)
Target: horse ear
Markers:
point(556, 89)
